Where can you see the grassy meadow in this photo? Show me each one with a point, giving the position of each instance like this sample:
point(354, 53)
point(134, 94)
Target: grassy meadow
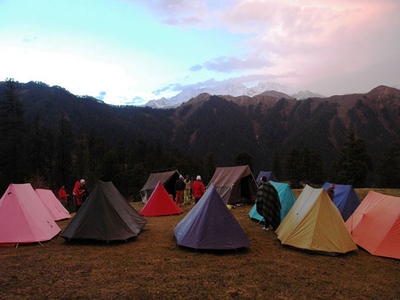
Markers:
point(152, 266)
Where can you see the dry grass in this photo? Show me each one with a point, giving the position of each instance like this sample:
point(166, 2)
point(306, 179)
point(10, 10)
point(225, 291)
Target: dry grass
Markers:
point(152, 266)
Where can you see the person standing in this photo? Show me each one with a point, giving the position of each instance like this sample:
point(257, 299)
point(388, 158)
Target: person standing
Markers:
point(188, 186)
point(268, 204)
point(63, 196)
point(85, 192)
point(77, 195)
point(179, 188)
point(198, 189)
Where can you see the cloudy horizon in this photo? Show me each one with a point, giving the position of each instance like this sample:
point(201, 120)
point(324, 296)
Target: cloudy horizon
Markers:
point(133, 51)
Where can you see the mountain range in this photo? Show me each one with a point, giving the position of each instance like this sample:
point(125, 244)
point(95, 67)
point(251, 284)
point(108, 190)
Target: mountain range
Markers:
point(237, 89)
point(227, 125)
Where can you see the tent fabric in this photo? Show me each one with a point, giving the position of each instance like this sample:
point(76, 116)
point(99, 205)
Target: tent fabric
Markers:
point(269, 174)
point(53, 206)
point(160, 204)
point(210, 225)
point(167, 179)
point(314, 223)
point(23, 217)
point(234, 184)
point(345, 199)
point(375, 225)
point(105, 216)
point(286, 197)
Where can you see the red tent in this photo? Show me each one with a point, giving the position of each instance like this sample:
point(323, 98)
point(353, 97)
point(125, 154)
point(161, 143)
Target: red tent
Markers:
point(160, 203)
point(23, 217)
point(55, 208)
point(375, 225)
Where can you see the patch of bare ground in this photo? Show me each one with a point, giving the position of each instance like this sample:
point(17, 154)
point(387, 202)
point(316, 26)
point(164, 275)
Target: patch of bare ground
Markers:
point(152, 266)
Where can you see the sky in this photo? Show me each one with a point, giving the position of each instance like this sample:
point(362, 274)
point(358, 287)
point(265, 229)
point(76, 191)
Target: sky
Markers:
point(132, 51)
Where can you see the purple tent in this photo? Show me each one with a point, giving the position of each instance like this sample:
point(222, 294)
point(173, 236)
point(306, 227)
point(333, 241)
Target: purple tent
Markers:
point(210, 225)
point(269, 174)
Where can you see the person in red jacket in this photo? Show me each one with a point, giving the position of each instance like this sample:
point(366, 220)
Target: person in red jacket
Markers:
point(63, 196)
point(198, 189)
point(77, 195)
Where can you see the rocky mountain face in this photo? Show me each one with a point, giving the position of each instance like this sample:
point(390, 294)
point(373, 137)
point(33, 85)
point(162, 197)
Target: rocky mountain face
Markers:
point(258, 125)
point(227, 125)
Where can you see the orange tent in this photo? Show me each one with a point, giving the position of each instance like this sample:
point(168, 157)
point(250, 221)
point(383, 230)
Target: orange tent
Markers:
point(375, 225)
point(160, 203)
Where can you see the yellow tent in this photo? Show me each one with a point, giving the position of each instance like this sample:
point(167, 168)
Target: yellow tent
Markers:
point(314, 223)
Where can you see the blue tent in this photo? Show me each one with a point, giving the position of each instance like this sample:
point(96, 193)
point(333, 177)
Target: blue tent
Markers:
point(269, 174)
point(345, 199)
point(210, 225)
point(286, 197)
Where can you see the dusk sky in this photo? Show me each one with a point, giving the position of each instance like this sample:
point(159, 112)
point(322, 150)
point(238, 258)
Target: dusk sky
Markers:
point(132, 51)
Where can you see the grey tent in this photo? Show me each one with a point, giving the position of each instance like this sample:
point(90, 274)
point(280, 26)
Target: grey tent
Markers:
point(106, 216)
point(235, 184)
point(167, 179)
point(210, 225)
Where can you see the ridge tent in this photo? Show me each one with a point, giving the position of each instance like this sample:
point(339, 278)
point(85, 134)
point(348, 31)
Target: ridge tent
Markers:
point(23, 217)
point(106, 216)
point(286, 197)
point(54, 207)
point(234, 184)
point(314, 223)
point(269, 174)
point(167, 179)
point(345, 199)
point(375, 225)
point(160, 203)
point(210, 225)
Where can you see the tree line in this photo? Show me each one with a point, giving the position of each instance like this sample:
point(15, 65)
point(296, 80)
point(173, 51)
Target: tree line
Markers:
point(49, 156)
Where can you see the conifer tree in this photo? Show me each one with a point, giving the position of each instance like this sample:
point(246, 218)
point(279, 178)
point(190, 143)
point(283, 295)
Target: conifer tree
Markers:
point(14, 135)
point(354, 162)
point(244, 158)
point(389, 167)
point(276, 164)
point(64, 146)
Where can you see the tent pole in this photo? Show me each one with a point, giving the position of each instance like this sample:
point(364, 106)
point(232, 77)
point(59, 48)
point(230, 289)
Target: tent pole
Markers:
point(16, 246)
point(40, 244)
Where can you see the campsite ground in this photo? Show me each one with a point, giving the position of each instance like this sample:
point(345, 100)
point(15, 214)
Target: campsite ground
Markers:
point(152, 266)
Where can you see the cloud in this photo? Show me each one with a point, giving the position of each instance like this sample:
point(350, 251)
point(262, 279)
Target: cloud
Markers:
point(159, 91)
point(29, 40)
point(101, 95)
point(196, 68)
point(245, 79)
point(178, 12)
point(232, 63)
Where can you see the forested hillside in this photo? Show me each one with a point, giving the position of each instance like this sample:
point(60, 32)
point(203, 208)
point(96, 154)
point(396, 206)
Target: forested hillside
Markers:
point(50, 136)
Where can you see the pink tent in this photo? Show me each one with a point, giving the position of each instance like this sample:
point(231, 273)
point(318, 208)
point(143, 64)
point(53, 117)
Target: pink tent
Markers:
point(54, 207)
point(23, 217)
point(375, 225)
point(160, 204)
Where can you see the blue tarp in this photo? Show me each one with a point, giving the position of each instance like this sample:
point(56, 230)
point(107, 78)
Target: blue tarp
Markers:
point(345, 199)
point(286, 198)
point(210, 225)
point(269, 174)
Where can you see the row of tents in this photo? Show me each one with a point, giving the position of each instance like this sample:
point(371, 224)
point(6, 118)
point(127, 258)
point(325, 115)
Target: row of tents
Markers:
point(312, 222)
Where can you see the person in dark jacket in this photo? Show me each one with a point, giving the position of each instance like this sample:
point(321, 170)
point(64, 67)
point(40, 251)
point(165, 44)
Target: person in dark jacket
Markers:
point(179, 188)
point(268, 204)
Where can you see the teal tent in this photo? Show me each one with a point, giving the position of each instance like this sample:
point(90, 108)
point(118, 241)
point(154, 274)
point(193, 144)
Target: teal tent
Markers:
point(286, 197)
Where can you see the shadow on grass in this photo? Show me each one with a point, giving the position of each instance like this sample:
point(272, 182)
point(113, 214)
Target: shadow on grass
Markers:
point(214, 252)
point(101, 243)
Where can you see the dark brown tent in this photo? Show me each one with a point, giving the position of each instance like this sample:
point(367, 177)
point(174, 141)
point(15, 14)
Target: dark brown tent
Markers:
point(167, 179)
point(106, 216)
point(235, 184)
